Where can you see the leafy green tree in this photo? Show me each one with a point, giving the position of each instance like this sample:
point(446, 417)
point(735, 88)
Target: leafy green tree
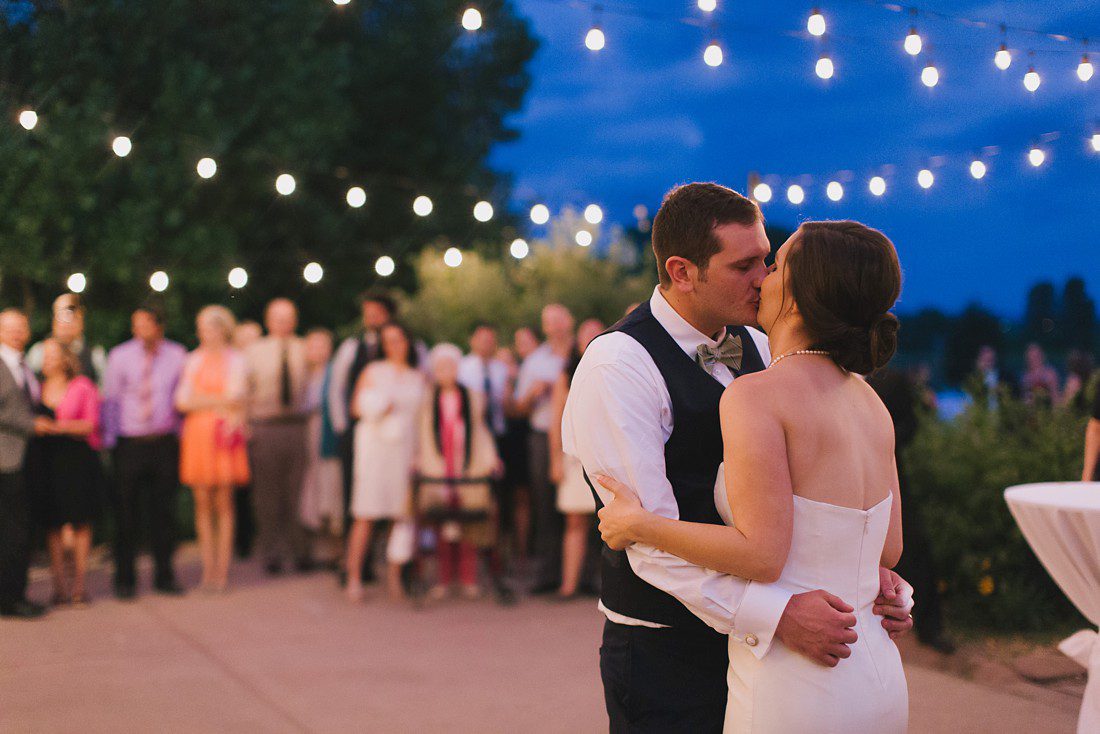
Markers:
point(1078, 315)
point(974, 328)
point(1041, 314)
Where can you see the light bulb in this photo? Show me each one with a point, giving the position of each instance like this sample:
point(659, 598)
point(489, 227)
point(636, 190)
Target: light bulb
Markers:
point(158, 281)
point(824, 68)
point(930, 76)
point(206, 167)
point(762, 193)
point(1096, 142)
point(925, 178)
point(122, 146)
point(712, 54)
point(540, 214)
point(313, 272)
point(708, 6)
point(452, 257)
point(1032, 80)
point(77, 282)
point(978, 169)
point(1084, 69)
point(877, 185)
point(285, 184)
point(913, 42)
point(1003, 58)
point(340, 2)
point(238, 277)
point(815, 24)
point(28, 119)
point(356, 197)
point(422, 206)
point(519, 249)
point(593, 214)
point(584, 238)
point(1036, 157)
point(795, 194)
point(385, 265)
point(835, 191)
point(483, 211)
point(471, 19)
point(595, 39)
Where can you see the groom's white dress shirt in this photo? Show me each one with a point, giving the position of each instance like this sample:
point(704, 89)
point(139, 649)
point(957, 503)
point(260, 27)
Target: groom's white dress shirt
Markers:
point(616, 422)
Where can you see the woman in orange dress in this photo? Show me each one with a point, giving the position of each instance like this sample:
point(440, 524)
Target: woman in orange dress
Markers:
point(213, 458)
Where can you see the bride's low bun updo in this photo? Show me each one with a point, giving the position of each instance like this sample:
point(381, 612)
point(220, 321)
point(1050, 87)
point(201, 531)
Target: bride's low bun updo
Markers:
point(845, 278)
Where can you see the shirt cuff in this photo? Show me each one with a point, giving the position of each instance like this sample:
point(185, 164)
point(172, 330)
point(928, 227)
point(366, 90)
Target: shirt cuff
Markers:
point(758, 615)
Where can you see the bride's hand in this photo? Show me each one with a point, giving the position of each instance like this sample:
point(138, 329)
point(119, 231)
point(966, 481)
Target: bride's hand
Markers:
point(620, 518)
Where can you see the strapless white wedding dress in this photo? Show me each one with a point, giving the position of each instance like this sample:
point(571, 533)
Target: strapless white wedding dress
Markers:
point(836, 549)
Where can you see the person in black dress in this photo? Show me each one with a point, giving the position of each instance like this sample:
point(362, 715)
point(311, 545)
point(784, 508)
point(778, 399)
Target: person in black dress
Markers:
point(1091, 472)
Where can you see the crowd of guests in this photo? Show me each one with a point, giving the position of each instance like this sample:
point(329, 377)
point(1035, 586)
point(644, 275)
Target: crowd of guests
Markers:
point(443, 467)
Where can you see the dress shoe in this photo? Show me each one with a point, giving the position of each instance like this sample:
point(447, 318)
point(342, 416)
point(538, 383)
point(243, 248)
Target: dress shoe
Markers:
point(168, 588)
point(22, 609)
point(273, 568)
point(305, 565)
point(545, 588)
point(125, 592)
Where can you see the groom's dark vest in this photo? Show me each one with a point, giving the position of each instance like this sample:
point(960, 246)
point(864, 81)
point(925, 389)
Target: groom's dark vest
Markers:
point(692, 455)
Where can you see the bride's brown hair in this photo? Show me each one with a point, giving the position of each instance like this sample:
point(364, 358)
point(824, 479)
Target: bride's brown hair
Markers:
point(845, 278)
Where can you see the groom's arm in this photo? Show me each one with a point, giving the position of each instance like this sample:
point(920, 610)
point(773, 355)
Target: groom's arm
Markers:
point(614, 424)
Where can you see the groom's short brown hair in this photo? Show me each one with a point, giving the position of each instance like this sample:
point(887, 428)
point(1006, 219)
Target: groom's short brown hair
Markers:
point(684, 225)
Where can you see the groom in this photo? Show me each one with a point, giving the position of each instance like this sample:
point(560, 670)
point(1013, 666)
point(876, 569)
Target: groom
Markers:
point(643, 409)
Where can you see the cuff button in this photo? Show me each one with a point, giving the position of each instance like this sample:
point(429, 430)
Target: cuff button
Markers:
point(751, 640)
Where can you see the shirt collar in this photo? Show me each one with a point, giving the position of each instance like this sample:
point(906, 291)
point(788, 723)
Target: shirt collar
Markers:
point(10, 355)
point(686, 336)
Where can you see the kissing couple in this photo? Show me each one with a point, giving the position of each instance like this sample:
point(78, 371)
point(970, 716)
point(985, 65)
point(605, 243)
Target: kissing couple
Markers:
point(747, 484)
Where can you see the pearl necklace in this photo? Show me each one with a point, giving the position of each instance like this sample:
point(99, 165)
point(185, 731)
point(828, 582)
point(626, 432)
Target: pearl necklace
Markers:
point(781, 357)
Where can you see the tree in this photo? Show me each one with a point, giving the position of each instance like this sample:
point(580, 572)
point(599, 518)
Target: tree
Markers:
point(1040, 317)
point(974, 328)
point(1078, 316)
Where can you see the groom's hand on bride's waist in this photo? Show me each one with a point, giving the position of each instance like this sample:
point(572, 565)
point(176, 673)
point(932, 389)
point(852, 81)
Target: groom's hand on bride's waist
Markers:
point(894, 604)
point(818, 625)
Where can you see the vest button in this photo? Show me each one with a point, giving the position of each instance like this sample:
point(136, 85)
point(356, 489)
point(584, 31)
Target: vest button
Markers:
point(751, 640)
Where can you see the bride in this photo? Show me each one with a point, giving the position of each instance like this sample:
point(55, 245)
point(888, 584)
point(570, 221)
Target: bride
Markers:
point(811, 498)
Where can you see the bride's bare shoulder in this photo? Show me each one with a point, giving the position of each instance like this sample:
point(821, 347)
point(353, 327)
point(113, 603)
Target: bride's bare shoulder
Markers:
point(753, 390)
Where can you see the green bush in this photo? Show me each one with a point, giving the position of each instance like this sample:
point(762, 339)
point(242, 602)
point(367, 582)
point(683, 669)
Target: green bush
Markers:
point(959, 470)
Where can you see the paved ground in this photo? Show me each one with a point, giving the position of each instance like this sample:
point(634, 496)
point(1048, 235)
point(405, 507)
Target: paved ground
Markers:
point(292, 656)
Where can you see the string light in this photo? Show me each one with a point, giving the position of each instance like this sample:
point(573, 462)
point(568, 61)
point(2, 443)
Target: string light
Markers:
point(824, 68)
point(28, 119)
point(340, 2)
point(595, 39)
point(158, 281)
point(122, 146)
point(422, 206)
point(795, 194)
point(77, 282)
point(762, 193)
point(519, 249)
point(471, 19)
point(356, 197)
point(1032, 79)
point(313, 272)
point(385, 265)
point(712, 54)
point(1036, 156)
point(238, 277)
point(1095, 142)
point(1003, 58)
point(206, 167)
point(452, 257)
point(285, 184)
point(877, 185)
point(913, 42)
point(540, 214)
point(483, 211)
point(925, 178)
point(593, 214)
point(835, 191)
point(978, 169)
point(1084, 69)
point(583, 238)
point(815, 24)
point(708, 6)
point(930, 75)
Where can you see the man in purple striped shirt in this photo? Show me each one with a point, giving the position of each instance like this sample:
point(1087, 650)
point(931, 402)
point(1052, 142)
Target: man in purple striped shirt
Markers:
point(141, 424)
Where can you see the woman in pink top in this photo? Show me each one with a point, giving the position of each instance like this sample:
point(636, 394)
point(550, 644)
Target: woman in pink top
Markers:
point(63, 470)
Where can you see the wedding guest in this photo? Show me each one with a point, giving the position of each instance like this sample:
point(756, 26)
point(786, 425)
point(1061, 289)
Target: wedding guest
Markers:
point(574, 498)
point(1079, 368)
point(1040, 382)
point(245, 335)
point(457, 457)
point(68, 328)
point(1091, 471)
point(322, 506)
point(385, 405)
point(213, 457)
point(19, 391)
point(141, 424)
point(992, 380)
point(482, 371)
point(64, 476)
point(278, 421)
point(516, 510)
point(537, 375)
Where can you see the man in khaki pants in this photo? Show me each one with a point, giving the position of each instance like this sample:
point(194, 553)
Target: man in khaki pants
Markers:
point(277, 382)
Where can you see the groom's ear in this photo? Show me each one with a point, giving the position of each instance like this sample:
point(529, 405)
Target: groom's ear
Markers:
point(681, 273)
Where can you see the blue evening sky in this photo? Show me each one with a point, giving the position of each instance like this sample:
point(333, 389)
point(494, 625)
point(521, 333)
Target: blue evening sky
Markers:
point(621, 126)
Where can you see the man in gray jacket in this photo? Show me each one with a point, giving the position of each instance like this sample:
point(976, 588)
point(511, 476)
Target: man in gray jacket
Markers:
point(18, 393)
